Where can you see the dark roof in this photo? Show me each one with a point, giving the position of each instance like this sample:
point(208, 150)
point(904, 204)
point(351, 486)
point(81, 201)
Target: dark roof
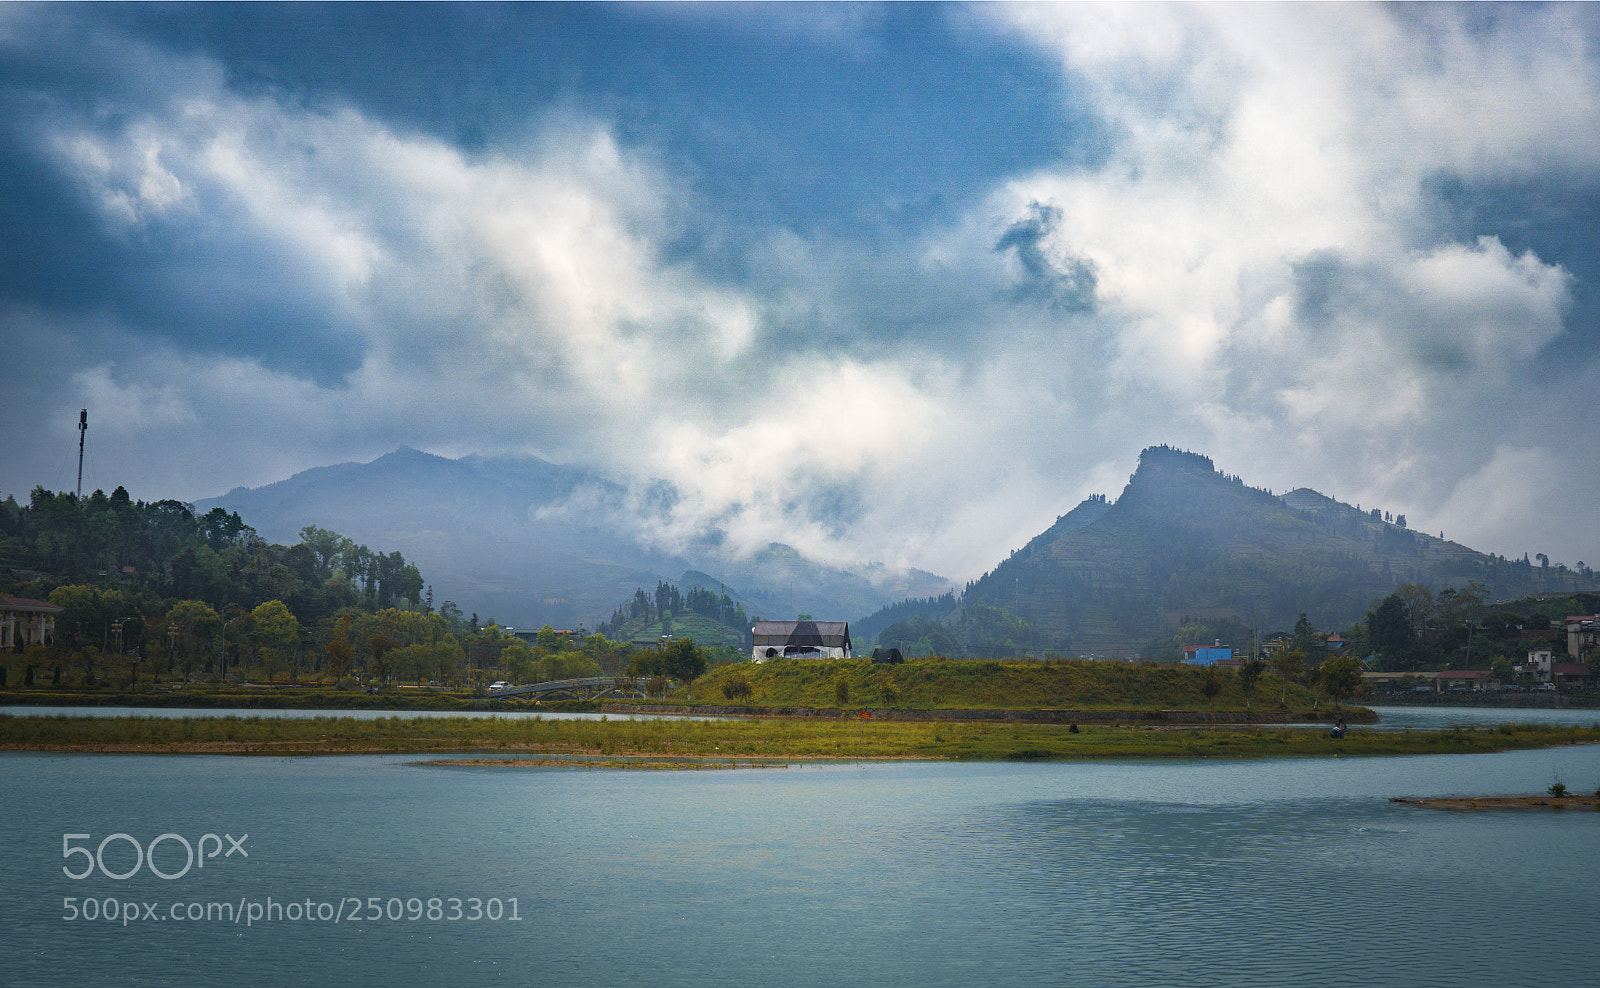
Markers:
point(28, 604)
point(816, 634)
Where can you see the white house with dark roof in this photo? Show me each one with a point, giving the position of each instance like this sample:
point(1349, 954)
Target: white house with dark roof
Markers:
point(800, 640)
point(26, 621)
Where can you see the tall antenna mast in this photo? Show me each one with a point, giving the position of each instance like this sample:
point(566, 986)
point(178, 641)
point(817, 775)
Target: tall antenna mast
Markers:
point(83, 429)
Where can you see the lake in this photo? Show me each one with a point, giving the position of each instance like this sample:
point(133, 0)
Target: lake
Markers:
point(1257, 873)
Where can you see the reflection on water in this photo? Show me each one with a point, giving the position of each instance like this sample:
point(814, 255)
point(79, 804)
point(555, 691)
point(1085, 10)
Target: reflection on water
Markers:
point(1126, 873)
point(1439, 718)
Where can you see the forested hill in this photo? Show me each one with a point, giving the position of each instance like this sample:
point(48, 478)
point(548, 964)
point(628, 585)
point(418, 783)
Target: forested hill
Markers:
point(1184, 541)
point(534, 542)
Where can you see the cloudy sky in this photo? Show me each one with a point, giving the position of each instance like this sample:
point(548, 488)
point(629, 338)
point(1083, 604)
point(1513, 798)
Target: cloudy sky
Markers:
point(893, 283)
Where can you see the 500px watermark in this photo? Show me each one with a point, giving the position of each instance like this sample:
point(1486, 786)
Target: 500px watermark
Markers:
point(144, 855)
point(350, 909)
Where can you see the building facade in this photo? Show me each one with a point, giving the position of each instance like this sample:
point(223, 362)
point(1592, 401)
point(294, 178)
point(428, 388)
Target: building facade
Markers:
point(1583, 635)
point(27, 622)
point(799, 640)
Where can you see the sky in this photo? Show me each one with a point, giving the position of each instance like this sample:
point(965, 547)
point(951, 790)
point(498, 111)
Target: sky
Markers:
point(897, 283)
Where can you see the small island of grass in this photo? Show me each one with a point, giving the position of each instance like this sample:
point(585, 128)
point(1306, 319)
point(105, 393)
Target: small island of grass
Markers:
point(799, 738)
point(1533, 803)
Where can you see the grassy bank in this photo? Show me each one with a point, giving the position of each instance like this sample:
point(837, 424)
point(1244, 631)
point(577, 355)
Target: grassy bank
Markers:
point(736, 738)
point(978, 684)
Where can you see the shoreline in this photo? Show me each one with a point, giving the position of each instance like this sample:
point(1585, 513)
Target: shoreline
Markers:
point(1031, 715)
point(793, 738)
point(1525, 803)
point(308, 698)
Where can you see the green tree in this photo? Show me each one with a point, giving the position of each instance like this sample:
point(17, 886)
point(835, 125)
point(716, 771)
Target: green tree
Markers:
point(197, 627)
point(1389, 632)
point(87, 612)
point(841, 689)
point(683, 661)
point(1340, 677)
point(520, 663)
point(275, 632)
point(1250, 674)
point(380, 646)
point(1287, 663)
point(1505, 670)
point(547, 637)
point(735, 687)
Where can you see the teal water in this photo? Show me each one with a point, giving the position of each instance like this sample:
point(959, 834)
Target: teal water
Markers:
point(1147, 873)
point(1443, 718)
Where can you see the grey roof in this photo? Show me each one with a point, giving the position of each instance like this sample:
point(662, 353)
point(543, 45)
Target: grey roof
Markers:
point(816, 634)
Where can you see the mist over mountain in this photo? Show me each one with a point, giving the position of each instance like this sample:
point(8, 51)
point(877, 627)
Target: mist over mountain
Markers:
point(1186, 542)
point(530, 542)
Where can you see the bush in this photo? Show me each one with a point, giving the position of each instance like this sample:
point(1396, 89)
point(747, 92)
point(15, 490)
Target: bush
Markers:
point(736, 687)
point(1557, 789)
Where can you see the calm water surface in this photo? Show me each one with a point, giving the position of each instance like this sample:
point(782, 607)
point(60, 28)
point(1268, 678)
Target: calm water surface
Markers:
point(1146, 873)
point(1437, 718)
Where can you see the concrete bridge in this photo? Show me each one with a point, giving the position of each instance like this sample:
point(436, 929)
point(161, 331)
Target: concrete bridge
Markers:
point(594, 688)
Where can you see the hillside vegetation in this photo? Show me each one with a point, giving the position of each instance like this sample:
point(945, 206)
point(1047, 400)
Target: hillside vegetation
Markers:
point(1184, 541)
point(991, 685)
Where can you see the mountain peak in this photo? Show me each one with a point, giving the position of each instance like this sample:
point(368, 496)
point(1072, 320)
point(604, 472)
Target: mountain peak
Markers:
point(1185, 541)
point(1163, 456)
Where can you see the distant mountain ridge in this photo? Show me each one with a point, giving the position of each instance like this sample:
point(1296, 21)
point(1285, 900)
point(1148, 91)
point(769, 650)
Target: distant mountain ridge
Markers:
point(1186, 541)
point(530, 542)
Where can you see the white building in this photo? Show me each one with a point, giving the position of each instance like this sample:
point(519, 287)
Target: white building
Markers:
point(1539, 665)
point(30, 622)
point(800, 640)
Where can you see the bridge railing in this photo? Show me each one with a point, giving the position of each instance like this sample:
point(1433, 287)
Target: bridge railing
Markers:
point(564, 685)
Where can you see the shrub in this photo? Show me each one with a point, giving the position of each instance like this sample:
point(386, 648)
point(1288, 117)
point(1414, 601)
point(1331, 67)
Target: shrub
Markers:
point(1557, 789)
point(736, 686)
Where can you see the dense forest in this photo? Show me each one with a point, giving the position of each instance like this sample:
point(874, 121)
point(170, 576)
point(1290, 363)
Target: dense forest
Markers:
point(712, 619)
point(151, 591)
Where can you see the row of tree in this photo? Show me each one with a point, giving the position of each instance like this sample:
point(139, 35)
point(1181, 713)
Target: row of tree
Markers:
point(160, 551)
point(644, 610)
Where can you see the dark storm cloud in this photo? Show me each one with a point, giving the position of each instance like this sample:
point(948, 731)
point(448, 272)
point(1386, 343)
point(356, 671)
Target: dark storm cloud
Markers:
point(896, 282)
point(1065, 280)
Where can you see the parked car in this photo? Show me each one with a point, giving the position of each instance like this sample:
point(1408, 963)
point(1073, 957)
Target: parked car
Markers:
point(1545, 688)
point(1423, 689)
point(1513, 688)
point(500, 685)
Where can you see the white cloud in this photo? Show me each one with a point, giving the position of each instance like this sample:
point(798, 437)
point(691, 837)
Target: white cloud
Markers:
point(1515, 504)
point(1266, 233)
point(1254, 266)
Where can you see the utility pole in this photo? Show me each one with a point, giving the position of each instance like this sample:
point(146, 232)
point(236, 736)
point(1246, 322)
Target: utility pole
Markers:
point(83, 429)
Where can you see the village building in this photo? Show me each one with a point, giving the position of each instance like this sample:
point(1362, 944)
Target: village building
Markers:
point(1539, 665)
point(1207, 655)
point(800, 640)
point(1583, 634)
point(1472, 680)
point(27, 622)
